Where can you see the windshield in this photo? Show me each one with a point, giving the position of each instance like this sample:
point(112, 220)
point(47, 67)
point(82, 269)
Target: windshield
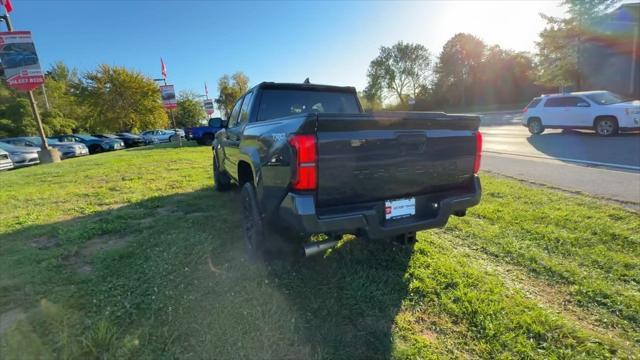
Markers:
point(606, 98)
point(87, 137)
point(277, 103)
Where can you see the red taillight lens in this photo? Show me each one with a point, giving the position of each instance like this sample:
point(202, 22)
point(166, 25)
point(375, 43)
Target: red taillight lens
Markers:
point(525, 109)
point(476, 162)
point(305, 176)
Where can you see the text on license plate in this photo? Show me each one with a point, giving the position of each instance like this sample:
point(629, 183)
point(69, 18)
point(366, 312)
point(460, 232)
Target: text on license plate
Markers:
point(394, 209)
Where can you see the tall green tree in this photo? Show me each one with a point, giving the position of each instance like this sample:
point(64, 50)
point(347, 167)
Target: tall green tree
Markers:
point(558, 54)
point(401, 71)
point(16, 118)
point(67, 112)
point(122, 100)
point(230, 89)
point(457, 68)
point(189, 112)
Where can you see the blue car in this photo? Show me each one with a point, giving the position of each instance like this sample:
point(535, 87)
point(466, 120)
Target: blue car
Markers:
point(94, 144)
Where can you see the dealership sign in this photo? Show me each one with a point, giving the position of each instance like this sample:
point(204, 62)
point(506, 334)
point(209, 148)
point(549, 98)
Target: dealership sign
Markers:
point(20, 61)
point(208, 106)
point(168, 94)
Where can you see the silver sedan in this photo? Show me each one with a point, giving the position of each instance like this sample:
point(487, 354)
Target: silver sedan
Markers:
point(21, 155)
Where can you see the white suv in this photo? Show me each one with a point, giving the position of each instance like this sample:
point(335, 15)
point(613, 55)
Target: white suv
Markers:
point(602, 111)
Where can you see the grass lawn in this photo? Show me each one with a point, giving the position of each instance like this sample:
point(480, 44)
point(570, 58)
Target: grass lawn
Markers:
point(132, 254)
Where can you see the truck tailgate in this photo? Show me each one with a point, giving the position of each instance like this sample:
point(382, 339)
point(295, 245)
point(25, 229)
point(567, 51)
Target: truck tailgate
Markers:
point(383, 156)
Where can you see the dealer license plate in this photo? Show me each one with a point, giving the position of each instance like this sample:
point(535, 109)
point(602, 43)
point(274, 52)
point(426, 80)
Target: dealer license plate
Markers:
point(396, 209)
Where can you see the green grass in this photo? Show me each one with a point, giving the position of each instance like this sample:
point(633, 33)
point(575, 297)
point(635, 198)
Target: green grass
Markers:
point(132, 254)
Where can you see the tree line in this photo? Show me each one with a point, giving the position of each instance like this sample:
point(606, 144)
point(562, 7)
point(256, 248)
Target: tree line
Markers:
point(108, 99)
point(469, 73)
point(466, 74)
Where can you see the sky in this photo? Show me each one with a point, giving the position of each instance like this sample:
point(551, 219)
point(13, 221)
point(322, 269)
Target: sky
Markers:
point(329, 42)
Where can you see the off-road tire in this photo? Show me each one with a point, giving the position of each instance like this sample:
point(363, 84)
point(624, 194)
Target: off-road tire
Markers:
point(262, 245)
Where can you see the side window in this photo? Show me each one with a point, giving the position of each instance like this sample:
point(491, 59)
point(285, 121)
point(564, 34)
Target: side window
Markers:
point(555, 102)
point(572, 101)
point(246, 107)
point(233, 118)
point(568, 101)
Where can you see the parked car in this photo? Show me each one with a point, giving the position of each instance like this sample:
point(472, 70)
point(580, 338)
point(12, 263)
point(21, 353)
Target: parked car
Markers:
point(21, 156)
point(602, 111)
point(308, 160)
point(129, 140)
point(161, 135)
point(5, 161)
point(66, 150)
point(94, 144)
point(204, 135)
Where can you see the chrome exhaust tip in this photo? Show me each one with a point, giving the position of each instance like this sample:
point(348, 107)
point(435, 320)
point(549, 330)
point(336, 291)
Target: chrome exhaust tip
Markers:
point(318, 247)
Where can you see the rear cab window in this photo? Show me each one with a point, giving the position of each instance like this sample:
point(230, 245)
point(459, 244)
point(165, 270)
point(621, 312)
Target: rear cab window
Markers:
point(276, 103)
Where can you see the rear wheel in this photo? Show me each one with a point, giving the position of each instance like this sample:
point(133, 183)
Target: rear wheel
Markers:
point(535, 126)
point(606, 126)
point(221, 180)
point(172, 138)
point(261, 243)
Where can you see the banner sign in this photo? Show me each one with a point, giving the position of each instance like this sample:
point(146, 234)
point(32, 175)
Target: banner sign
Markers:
point(208, 106)
point(20, 61)
point(168, 96)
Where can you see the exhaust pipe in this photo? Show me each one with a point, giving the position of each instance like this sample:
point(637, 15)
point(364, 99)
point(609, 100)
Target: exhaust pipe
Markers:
point(318, 247)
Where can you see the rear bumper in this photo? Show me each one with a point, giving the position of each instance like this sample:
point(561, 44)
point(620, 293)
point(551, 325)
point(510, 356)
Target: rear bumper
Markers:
point(298, 213)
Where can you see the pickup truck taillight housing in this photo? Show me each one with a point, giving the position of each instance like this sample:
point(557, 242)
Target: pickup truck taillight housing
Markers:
point(305, 175)
point(476, 162)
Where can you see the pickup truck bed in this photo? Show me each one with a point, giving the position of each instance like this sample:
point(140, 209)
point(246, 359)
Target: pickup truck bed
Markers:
point(377, 175)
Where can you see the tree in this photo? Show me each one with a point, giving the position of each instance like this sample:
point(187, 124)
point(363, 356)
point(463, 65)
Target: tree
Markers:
point(401, 70)
point(231, 88)
point(16, 119)
point(122, 100)
point(457, 68)
point(63, 86)
point(558, 55)
point(504, 77)
point(189, 112)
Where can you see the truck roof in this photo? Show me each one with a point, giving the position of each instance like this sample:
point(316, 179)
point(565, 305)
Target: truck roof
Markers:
point(294, 86)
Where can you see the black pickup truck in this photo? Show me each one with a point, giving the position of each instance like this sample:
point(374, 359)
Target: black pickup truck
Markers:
point(309, 161)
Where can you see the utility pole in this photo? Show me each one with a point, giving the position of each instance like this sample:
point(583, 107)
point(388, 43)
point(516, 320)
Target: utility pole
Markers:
point(173, 120)
point(46, 155)
point(46, 99)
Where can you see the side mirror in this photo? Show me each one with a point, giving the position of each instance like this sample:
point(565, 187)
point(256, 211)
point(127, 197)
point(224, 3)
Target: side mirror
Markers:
point(583, 104)
point(225, 123)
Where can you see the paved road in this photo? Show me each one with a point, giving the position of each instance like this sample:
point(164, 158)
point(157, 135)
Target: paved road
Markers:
point(576, 161)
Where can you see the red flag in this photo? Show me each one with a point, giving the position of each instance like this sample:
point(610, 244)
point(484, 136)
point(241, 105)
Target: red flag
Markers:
point(7, 5)
point(163, 68)
point(206, 91)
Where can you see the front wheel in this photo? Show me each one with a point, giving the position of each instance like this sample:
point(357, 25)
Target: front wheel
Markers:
point(606, 126)
point(535, 126)
point(172, 138)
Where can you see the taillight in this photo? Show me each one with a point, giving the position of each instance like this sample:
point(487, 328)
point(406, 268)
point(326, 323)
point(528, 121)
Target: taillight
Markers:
point(525, 109)
point(305, 176)
point(476, 162)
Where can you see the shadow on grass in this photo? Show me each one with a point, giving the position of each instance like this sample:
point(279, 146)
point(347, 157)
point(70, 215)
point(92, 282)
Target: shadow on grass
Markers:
point(167, 277)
